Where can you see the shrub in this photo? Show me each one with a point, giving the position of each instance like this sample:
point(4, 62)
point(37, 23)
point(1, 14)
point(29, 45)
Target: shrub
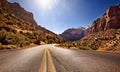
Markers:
point(9, 38)
point(67, 45)
point(8, 29)
point(9, 22)
point(85, 48)
point(2, 36)
point(1, 46)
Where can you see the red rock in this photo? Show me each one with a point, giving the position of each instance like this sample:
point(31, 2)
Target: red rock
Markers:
point(111, 19)
point(18, 11)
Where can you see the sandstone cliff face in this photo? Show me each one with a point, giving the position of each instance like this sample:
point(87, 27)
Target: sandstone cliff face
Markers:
point(104, 33)
point(110, 20)
point(18, 11)
point(73, 34)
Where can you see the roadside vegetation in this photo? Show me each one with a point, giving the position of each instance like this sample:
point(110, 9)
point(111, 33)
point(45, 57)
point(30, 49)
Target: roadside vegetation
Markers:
point(108, 40)
point(14, 32)
point(1, 46)
point(75, 45)
point(85, 48)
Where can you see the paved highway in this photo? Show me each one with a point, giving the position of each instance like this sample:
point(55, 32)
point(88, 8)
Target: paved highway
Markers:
point(25, 60)
point(48, 58)
point(66, 60)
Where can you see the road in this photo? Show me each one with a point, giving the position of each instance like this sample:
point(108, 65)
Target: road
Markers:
point(48, 58)
point(25, 60)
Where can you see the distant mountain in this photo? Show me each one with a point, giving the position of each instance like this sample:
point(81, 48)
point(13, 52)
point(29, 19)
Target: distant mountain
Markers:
point(104, 33)
point(18, 27)
point(73, 34)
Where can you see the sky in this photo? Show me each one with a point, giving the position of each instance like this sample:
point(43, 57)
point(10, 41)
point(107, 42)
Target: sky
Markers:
point(59, 15)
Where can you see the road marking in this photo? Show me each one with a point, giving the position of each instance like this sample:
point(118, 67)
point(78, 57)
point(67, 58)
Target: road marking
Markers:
point(47, 63)
point(51, 67)
point(43, 67)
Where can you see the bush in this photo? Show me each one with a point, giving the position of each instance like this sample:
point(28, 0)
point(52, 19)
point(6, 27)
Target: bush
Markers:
point(8, 29)
point(85, 48)
point(1, 46)
point(2, 36)
point(67, 45)
point(9, 23)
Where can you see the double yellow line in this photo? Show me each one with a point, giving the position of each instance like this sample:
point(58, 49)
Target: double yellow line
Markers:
point(47, 63)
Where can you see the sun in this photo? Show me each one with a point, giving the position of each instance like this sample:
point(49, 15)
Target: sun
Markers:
point(46, 4)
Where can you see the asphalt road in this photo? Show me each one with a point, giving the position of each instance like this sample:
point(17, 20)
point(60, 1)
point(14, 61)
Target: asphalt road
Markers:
point(63, 60)
point(66, 60)
point(25, 60)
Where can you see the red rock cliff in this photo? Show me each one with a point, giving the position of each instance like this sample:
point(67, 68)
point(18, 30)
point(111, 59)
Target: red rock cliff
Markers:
point(111, 19)
point(18, 11)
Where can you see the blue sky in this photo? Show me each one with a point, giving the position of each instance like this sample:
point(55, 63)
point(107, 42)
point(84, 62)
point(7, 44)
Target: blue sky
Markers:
point(59, 15)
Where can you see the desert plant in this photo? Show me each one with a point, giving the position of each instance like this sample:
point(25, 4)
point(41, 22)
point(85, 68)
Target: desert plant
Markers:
point(67, 44)
point(1, 46)
point(85, 48)
point(8, 29)
point(2, 36)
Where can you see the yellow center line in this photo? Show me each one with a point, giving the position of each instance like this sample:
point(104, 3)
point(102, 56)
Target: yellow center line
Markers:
point(51, 67)
point(43, 66)
point(47, 63)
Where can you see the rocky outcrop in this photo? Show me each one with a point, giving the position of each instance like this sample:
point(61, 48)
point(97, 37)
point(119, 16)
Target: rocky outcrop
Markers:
point(108, 40)
point(73, 34)
point(3, 2)
point(18, 11)
point(110, 20)
point(104, 33)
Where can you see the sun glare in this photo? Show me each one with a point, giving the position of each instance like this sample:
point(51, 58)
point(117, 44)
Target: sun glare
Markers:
point(46, 4)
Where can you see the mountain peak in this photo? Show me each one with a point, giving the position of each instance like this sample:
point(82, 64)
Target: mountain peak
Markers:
point(73, 34)
point(79, 27)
